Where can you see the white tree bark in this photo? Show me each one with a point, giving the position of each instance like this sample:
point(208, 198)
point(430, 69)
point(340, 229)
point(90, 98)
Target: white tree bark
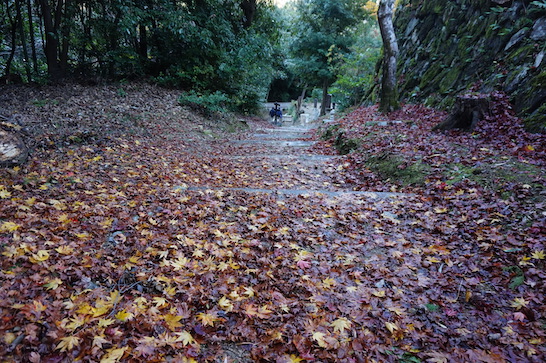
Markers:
point(389, 88)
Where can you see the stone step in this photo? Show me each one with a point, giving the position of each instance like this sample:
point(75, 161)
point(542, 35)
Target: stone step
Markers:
point(290, 192)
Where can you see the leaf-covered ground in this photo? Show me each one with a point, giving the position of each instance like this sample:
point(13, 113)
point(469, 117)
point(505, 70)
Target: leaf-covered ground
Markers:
point(140, 232)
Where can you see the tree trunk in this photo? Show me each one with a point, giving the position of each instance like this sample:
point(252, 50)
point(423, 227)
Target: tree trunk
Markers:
point(51, 42)
point(64, 10)
point(301, 99)
point(249, 11)
point(32, 39)
point(23, 39)
point(324, 98)
point(13, 30)
point(389, 88)
point(142, 42)
point(467, 111)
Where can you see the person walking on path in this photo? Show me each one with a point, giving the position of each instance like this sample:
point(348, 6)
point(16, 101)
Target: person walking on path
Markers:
point(276, 114)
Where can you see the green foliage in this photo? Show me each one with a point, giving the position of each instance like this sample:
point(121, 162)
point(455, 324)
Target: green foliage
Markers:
point(323, 33)
point(206, 46)
point(208, 104)
point(356, 71)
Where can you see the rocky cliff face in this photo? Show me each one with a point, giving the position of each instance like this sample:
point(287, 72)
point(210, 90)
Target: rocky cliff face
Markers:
point(449, 47)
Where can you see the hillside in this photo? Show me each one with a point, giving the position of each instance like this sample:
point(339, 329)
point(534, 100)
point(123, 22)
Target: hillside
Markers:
point(451, 47)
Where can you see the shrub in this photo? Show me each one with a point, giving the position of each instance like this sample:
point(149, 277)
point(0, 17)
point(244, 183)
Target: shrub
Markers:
point(207, 104)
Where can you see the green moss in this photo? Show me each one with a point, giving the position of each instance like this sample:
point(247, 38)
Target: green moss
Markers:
point(448, 80)
point(431, 73)
point(344, 146)
point(330, 132)
point(396, 168)
point(520, 53)
point(539, 81)
point(497, 174)
point(536, 122)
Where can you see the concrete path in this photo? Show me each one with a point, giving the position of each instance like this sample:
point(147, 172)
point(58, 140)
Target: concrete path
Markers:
point(282, 162)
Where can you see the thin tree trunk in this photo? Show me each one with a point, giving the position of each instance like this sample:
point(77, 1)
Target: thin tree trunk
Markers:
point(23, 40)
point(324, 98)
point(301, 99)
point(32, 39)
point(13, 24)
point(389, 88)
point(63, 8)
point(143, 42)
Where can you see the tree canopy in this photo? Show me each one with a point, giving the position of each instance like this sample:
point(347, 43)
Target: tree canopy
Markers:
point(234, 49)
point(197, 44)
point(323, 31)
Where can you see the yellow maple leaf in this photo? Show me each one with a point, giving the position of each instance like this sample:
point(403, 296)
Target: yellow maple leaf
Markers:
point(249, 292)
point(379, 293)
point(124, 315)
point(68, 343)
point(160, 301)
point(40, 256)
point(83, 235)
point(53, 284)
point(9, 338)
point(9, 227)
point(103, 323)
point(173, 321)
point(207, 319)
point(100, 309)
point(328, 282)
point(75, 323)
point(64, 250)
point(170, 290)
point(179, 263)
point(99, 340)
point(264, 312)
point(292, 358)
point(4, 194)
point(519, 303)
point(63, 218)
point(184, 337)
point(198, 253)
point(319, 338)
point(225, 304)
point(114, 355)
point(538, 255)
point(340, 325)
point(397, 310)
point(115, 297)
point(391, 326)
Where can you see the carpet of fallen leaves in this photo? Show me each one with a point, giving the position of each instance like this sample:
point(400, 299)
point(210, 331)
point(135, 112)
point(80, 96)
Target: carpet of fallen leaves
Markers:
point(143, 245)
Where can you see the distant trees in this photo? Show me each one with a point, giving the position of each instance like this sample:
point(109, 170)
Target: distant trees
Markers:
point(198, 44)
point(322, 32)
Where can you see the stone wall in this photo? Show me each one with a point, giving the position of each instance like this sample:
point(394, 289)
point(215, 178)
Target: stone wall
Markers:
point(449, 47)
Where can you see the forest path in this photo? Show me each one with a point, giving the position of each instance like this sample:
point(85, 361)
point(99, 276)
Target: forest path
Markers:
point(282, 161)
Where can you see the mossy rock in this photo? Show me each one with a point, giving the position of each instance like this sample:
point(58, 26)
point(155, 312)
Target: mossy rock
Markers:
point(396, 168)
point(536, 122)
point(344, 146)
point(448, 80)
point(330, 132)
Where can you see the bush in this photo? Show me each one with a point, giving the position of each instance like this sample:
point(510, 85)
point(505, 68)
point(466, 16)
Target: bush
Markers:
point(207, 104)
